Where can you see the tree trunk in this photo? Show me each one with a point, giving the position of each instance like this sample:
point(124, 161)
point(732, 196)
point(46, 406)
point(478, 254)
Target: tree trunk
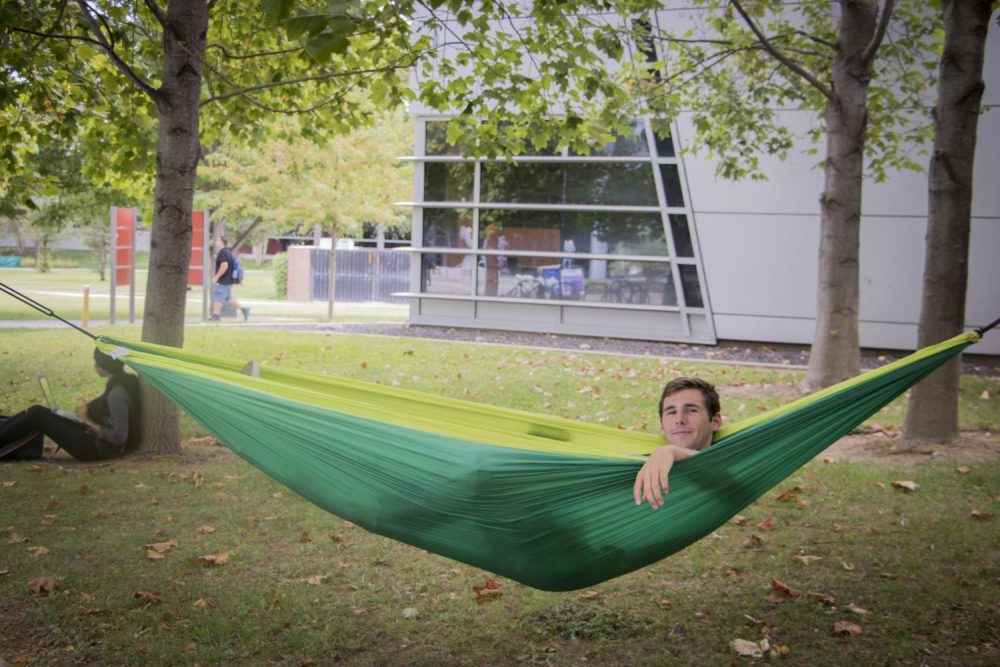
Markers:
point(177, 153)
point(933, 407)
point(835, 355)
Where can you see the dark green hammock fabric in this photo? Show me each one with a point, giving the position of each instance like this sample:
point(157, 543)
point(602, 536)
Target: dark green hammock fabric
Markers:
point(538, 499)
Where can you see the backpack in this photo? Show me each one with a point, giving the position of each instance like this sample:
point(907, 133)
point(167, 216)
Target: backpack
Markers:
point(236, 272)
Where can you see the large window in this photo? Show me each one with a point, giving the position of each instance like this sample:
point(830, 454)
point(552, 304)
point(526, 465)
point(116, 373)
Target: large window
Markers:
point(606, 226)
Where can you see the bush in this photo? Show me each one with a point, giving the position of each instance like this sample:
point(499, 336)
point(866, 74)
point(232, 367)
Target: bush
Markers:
point(280, 266)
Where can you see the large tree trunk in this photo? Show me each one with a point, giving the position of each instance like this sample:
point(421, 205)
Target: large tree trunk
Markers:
point(184, 39)
point(933, 405)
point(835, 355)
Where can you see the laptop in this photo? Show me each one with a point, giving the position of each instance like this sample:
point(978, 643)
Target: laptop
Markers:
point(43, 382)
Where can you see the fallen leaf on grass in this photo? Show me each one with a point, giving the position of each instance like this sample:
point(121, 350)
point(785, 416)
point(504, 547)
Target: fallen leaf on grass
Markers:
point(48, 519)
point(985, 395)
point(905, 484)
point(739, 519)
point(847, 566)
point(37, 551)
point(4, 573)
point(748, 648)
point(220, 558)
point(14, 538)
point(159, 548)
point(411, 613)
point(7, 483)
point(191, 647)
point(787, 496)
point(767, 524)
point(43, 585)
point(315, 580)
point(205, 603)
point(150, 597)
point(664, 603)
point(807, 560)
point(489, 590)
point(754, 541)
point(781, 591)
point(824, 598)
point(305, 537)
point(888, 575)
point(979, 514)
point(846, 628)
point(206, 529)
point(962, 470)
point(589, 595)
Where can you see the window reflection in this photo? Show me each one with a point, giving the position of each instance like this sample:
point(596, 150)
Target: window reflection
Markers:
point(692, 289)
point(447, 228)
point(682, 235)
point(632, 144)
point(436, 139)
point(672, 185)
point(588, 232)
point(449, 181)
point(569, 279)
point(444, 273)
point(623, 183)
point(664, 144)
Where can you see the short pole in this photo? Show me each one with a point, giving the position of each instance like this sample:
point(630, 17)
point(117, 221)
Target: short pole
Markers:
point(85, 319)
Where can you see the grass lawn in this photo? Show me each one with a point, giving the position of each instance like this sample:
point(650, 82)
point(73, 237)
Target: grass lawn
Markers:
point(915, 573)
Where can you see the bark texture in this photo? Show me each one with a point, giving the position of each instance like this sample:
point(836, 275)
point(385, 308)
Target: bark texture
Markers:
point(933, 406)
point(835, 353)
point(185, 29)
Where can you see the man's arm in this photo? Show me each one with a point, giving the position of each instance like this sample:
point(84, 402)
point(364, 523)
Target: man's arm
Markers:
point(223, 267)
point(651, 482)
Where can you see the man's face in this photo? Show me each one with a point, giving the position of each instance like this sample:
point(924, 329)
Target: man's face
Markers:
point(685, 422)
point(219, 244)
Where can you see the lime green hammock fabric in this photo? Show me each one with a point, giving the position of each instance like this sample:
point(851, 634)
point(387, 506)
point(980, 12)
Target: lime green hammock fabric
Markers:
point(542, 500)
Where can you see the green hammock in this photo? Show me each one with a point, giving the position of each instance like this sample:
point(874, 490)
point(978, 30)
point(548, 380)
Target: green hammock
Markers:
point(539, 499)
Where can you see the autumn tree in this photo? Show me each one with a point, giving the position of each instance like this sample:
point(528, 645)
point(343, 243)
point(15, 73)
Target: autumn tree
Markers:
point(932, 412)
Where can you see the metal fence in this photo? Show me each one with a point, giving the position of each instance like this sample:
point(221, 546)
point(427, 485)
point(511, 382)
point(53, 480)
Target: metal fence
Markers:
point(363, 274)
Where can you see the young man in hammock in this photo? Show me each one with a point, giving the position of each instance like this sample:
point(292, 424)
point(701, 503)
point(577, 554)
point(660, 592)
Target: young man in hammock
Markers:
point(689, 417)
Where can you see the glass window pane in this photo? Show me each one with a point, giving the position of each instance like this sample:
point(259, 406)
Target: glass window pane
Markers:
point(567, 279)
point(568, 183)
point(692, 290)
point(573, 231)
point(672, 184)
point(442, 273)
point(632, 144)
point(436, 139)
point(449, 181)
point(447, 228)
point(682, 235)
point(664, 144)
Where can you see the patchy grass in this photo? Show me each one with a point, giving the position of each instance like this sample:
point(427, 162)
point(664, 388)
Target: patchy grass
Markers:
point(914, 570)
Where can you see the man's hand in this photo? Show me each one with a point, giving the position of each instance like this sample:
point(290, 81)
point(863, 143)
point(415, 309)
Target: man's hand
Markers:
point(81, 412)
point(651, 482)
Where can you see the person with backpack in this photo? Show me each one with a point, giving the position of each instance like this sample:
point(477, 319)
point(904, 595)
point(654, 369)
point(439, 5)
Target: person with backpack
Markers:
point(228, 272)
point(106, 427)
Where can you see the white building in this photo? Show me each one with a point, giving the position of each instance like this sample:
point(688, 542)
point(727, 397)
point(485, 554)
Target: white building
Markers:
point(640, 240)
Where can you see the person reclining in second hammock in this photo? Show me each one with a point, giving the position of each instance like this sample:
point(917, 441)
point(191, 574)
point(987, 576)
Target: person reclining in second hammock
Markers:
point(689, 417)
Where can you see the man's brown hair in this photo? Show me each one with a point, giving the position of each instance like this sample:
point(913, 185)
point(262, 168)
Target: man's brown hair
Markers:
point(706, 388)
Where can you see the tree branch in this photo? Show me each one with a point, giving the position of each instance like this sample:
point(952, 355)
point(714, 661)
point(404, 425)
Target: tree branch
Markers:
point(157, 12)
point(780, 57)
point(883, 24)
point(116, 60)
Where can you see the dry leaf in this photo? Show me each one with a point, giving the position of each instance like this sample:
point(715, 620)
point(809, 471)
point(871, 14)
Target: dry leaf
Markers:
point(154, 555)
point(43, 585)
point(755, 541)
point(781, 591)
point(664, 603)
point(904, 484)
point(847, 566)
point(489, 590)
point(14, 538)
point(48, 519)
point(962, 470)
point(888, 575)
point(220, 558)
point(739, 519)
point(205, 603)
point(315, 580)
point(985, 395)
point(206, 529)
point(846, 628)
point(824, 598)
point(589, 595)
point(979, 514)
point(746, 647)
point(767, 524)
point(147, 596)
point(305, 537)
point(4, 573)
point(807, 560)
point(786, 497)
point(161, 547)
point(7, 483)
point(37, 551)
point(191, 647)
point(854, 609)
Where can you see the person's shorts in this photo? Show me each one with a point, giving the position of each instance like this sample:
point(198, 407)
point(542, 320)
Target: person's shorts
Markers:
point(222, 293)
